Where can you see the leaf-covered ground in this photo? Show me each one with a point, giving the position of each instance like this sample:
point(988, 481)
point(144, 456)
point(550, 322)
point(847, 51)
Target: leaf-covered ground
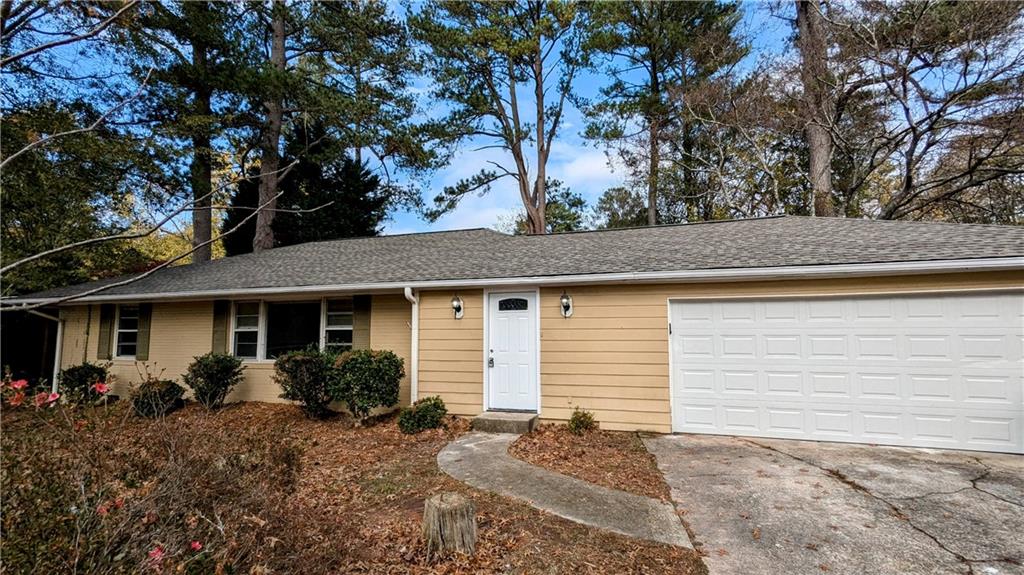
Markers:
point(353, 506)
point(615, 459)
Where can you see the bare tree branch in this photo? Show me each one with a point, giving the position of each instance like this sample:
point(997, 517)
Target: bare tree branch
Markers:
point(132, 235)
point(133, 279)
point(91, 127)
point(71, 39)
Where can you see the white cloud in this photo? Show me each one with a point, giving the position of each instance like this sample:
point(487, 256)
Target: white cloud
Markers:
point(583, 168)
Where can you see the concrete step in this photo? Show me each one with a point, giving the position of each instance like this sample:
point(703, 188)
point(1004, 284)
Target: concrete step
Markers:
point(505, 422)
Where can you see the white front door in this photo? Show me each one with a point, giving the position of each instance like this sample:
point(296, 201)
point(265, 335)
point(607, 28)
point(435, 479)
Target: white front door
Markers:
point(512, 351)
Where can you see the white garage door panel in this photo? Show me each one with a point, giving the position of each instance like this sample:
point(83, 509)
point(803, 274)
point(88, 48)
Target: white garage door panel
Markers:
point(929, 371)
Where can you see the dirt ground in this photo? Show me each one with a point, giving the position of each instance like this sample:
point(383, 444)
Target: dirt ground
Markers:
point(615, 459)
point(357, 502)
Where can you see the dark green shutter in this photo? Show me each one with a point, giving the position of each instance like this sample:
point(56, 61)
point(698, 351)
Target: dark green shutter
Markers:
point(105, 344)
point(145, 320)
point(221, 319)
point(361, 321)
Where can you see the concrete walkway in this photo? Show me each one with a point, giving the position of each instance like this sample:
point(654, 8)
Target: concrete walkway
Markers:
point(482, 461)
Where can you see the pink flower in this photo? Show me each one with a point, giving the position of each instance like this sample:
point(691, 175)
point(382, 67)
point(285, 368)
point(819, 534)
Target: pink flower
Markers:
point(19, 384)
point(42, 398)
point(100, 387)
point(17, 399)
point(196, 546)
point(102, 510)
point(157, 554)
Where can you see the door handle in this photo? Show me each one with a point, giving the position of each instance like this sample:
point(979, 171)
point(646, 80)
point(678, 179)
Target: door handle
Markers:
point(490, 362)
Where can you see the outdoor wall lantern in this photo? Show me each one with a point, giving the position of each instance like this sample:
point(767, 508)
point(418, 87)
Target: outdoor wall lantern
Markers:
point(457, 306)
point(566, 303)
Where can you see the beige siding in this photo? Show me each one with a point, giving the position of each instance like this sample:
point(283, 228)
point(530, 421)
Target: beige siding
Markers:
point(451, 350)
point(611, 356)
point(390, 329)
point(180, 331)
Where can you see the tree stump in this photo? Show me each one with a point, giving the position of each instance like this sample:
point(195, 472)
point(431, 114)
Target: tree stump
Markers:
point(449, 524)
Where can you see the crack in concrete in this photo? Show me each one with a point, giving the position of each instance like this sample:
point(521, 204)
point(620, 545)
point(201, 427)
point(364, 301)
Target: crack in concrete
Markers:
point(983, 476)
point(842, 478)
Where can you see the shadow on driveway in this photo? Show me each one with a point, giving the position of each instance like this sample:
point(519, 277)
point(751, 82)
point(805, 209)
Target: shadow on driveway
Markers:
point(768, 506)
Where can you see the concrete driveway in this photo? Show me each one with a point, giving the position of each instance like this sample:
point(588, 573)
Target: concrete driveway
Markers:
point(767, 506)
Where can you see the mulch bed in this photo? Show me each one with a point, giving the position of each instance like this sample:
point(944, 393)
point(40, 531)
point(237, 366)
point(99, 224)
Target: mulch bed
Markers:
point(358, 503)
point(615, 459)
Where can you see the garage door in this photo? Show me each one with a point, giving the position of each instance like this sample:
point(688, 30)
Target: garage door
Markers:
point(928, 371)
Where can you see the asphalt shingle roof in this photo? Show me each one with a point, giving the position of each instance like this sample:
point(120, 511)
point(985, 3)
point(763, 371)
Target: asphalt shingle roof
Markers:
point(486, 254)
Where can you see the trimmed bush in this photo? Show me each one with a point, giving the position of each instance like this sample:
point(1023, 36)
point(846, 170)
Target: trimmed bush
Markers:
point(427, 413)
point(78, 383)
point(211, 377)
point(367, 380)
point(157, 397)
point(306, 376)
point(581, 421)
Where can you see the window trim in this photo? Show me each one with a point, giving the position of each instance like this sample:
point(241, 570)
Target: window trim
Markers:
point(114, 353)
point(261, 330)
point(324, 328)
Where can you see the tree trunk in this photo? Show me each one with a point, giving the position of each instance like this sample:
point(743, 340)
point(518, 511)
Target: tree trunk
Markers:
point(449, 524)
point(201, 168)
point(818, 103)
point(201, 172)
point(540, 186)
point(652, 176)
point(270, 160)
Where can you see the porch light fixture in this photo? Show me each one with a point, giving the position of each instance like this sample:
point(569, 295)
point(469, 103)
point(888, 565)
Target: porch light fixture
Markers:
point(457, 306)
point(566, 302)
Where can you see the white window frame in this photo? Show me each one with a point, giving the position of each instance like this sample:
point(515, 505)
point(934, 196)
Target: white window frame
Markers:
point(261, 329)
point(115, 353)
point(324, 327)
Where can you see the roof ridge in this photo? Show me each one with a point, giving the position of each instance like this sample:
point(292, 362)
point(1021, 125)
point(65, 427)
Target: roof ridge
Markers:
point(661, 226)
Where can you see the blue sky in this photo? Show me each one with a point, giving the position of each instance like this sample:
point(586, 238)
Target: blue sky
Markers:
point(580, 165)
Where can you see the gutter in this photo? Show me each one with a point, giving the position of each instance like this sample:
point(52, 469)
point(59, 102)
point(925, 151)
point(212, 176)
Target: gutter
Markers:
point(703, 275)
point(414, 344)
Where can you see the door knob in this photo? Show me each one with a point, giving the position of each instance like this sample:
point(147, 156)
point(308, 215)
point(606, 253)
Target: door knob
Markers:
point(490, 362)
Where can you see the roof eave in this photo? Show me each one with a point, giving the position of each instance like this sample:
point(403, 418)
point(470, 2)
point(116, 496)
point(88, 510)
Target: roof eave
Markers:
point(682, 276)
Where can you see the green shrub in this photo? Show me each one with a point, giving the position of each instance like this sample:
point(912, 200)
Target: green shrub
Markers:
point(306, 376)
point(211, 377)
point(78, 383)
point(157, 397)
point(581, 421)
point(368, 379)
point(427, 413)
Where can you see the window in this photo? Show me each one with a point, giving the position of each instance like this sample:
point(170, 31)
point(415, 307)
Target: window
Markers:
point(247, 326)
point(292, 326)
point(513, 304)
point(338, 325)
point(127, 330)
point(267, 330)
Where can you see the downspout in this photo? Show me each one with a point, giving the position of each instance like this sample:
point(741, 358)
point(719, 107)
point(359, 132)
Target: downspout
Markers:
point(414, 351)
point(59, 347)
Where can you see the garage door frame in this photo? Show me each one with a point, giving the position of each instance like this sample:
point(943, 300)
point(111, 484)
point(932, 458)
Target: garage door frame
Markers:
point(797, 294)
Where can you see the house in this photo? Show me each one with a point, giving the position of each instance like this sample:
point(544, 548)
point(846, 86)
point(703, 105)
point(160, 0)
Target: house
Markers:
point(902, 333)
